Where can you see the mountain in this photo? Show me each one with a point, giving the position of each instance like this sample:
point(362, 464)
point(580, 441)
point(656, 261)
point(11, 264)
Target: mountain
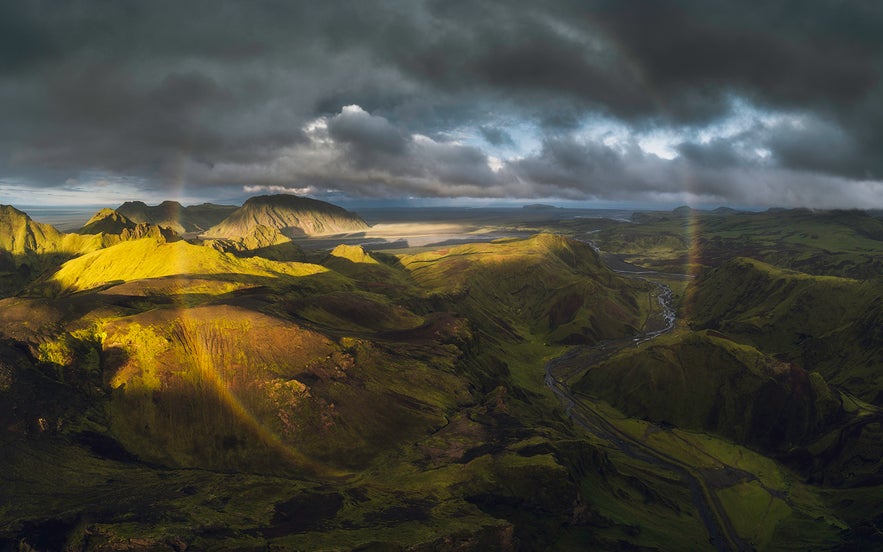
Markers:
point(35, 246)
point(20, 235)
point(824, 323)
point(107, 221)
point(112, 224)
point(293, 216)
point(174, 356)
point(208, 397)
point(555, 287)
point(704, 381)
point(171, 214)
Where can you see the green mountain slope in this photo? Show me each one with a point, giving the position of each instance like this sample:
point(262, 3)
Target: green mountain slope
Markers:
point(837, 243)
point(706, 382)
point(151, 258)
point(823, 323)
point(168, 395)
point(372, 380)
point(261, 241)
point(554, 288)
point(28, 248)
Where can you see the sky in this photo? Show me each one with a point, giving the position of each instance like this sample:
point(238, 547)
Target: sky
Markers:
point(599, 102)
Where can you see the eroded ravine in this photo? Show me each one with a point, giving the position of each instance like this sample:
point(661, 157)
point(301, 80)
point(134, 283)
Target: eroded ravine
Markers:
point(585, 412)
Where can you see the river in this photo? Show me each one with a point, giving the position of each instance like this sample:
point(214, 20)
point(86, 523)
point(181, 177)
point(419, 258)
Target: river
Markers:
point(585, 413)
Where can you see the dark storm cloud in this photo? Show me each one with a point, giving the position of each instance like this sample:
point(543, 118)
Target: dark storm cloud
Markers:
point(222, 93)
point(366, 135)
point(496, 136)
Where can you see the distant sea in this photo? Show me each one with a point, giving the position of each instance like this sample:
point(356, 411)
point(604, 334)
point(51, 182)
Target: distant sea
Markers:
point(74, 217)
point(65, 219)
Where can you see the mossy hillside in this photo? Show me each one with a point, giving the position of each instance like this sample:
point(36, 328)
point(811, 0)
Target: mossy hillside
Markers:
point(749, 296)
point(824, 323)
point(225, 387)
point(547, 287)
point(150, 258)
point(705, 382)
point(373, 271)
point(357, 312)
point(839, 243)
point(28, 248)
point(262, 241)
point(487, 462)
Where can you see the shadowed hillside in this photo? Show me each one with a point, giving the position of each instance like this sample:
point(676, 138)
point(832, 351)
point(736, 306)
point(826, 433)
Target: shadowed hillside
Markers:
point(837, 243)
point(173, 215)
point(823, 323)
point(704, 381)
point(261, 241)
point(552, 286)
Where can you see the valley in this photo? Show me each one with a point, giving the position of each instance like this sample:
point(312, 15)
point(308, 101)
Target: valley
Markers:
point(289, 375)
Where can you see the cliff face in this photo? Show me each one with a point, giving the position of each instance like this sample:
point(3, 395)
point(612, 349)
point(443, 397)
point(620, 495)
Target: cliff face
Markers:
point(291, 215)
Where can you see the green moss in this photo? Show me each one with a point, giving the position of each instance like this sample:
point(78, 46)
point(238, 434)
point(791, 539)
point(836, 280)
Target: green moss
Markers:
point(755, 512)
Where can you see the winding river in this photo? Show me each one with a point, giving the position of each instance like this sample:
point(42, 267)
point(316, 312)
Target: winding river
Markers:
point(585, 412)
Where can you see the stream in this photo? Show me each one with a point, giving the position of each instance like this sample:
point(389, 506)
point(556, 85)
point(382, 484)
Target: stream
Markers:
point(585, 413)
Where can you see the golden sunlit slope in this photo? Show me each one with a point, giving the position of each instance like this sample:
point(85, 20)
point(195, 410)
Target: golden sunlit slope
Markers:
point(150, 258)
point(22, 236)
point(261, 241)
point(291, 215)
point(228, 387)
point(551, 286)
point(107, 221)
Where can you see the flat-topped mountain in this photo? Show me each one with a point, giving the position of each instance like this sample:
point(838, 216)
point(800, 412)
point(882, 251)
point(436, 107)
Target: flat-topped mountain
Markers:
point(292, 215)
point(171, 214)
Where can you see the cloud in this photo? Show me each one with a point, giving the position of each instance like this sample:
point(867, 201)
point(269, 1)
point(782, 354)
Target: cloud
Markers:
point(390, 98)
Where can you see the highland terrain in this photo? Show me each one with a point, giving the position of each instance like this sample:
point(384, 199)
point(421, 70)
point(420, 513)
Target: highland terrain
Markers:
point(283, 375)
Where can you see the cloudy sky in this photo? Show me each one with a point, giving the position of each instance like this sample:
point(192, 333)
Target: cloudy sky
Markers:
point(750, 103)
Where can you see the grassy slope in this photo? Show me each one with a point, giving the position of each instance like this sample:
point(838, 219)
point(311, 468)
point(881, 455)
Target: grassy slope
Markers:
point(721, 386)
point(840, 243)
point(824, 323)
point(553, 288)
point(424, 372)
point(441, 422)
point(150, 258)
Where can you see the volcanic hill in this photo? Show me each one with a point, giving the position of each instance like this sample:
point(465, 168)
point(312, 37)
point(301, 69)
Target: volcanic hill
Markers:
point(293, 216)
